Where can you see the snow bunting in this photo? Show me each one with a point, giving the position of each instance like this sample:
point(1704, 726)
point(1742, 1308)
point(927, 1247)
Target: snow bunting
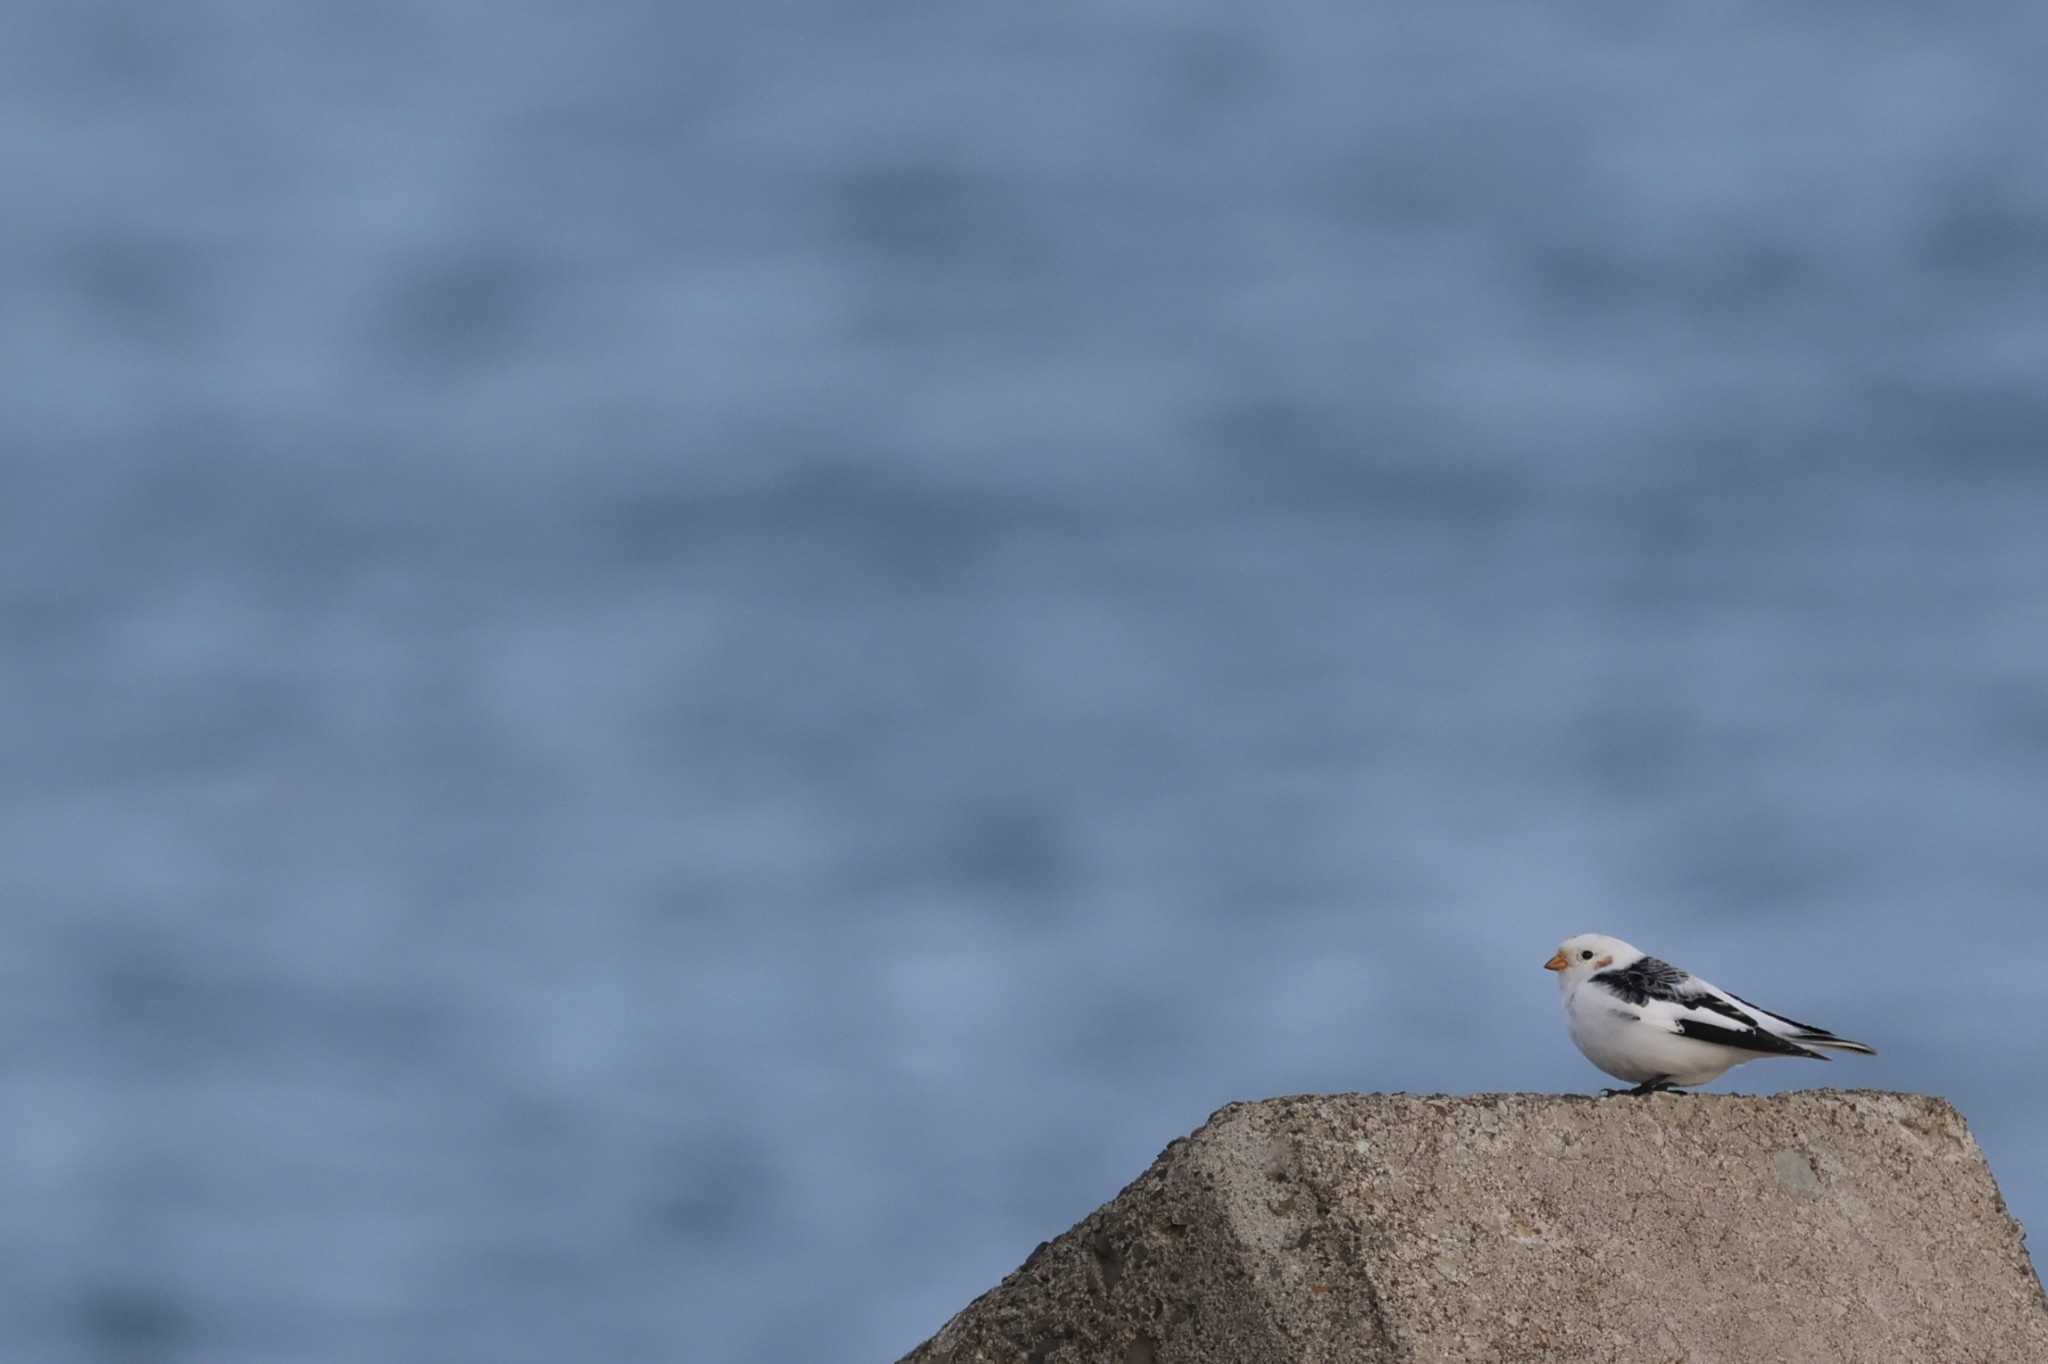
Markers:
point(1645, 1021)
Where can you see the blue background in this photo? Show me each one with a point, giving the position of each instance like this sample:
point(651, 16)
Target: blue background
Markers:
point(675, 681)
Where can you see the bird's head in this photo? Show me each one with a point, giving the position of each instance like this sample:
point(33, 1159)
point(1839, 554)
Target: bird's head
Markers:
point(1585, 956)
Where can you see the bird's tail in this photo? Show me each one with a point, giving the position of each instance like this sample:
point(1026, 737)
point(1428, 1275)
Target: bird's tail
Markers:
point(1832, 1042)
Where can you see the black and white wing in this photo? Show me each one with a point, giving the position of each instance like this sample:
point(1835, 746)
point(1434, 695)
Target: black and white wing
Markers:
point(1683, 1003)
point(1791, 1029)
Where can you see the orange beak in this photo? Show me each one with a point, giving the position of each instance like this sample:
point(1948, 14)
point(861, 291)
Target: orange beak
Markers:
point(1557, 961)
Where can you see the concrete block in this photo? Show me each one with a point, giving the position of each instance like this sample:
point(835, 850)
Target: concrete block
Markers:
point(1359, 1228)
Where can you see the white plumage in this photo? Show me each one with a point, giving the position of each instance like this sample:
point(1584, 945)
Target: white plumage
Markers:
point(1658, 1027)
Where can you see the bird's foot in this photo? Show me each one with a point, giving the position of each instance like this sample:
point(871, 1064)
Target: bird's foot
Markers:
point(1658, 1086)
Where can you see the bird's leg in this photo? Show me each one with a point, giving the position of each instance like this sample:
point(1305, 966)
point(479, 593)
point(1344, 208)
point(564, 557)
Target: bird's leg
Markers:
point(1660, 1085)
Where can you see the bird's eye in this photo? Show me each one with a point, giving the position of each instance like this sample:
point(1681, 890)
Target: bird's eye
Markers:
point(1585, 956)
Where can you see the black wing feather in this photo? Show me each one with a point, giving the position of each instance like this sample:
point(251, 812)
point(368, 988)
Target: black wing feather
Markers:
point(1806, 1028)
point(1747, 1039)
point(1716, 1004)
point(1645, 979)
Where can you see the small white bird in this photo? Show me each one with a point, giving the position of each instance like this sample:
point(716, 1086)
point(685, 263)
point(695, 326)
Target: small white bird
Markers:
point(1645, 1021)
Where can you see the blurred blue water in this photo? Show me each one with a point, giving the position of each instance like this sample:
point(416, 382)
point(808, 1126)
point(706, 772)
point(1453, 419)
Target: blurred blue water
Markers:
point(675, 683)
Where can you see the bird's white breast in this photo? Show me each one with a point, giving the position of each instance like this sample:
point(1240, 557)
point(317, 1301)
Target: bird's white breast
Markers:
point(1630, 1043)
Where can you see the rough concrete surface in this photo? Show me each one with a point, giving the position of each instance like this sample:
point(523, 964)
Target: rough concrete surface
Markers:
point(1819, 1226)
